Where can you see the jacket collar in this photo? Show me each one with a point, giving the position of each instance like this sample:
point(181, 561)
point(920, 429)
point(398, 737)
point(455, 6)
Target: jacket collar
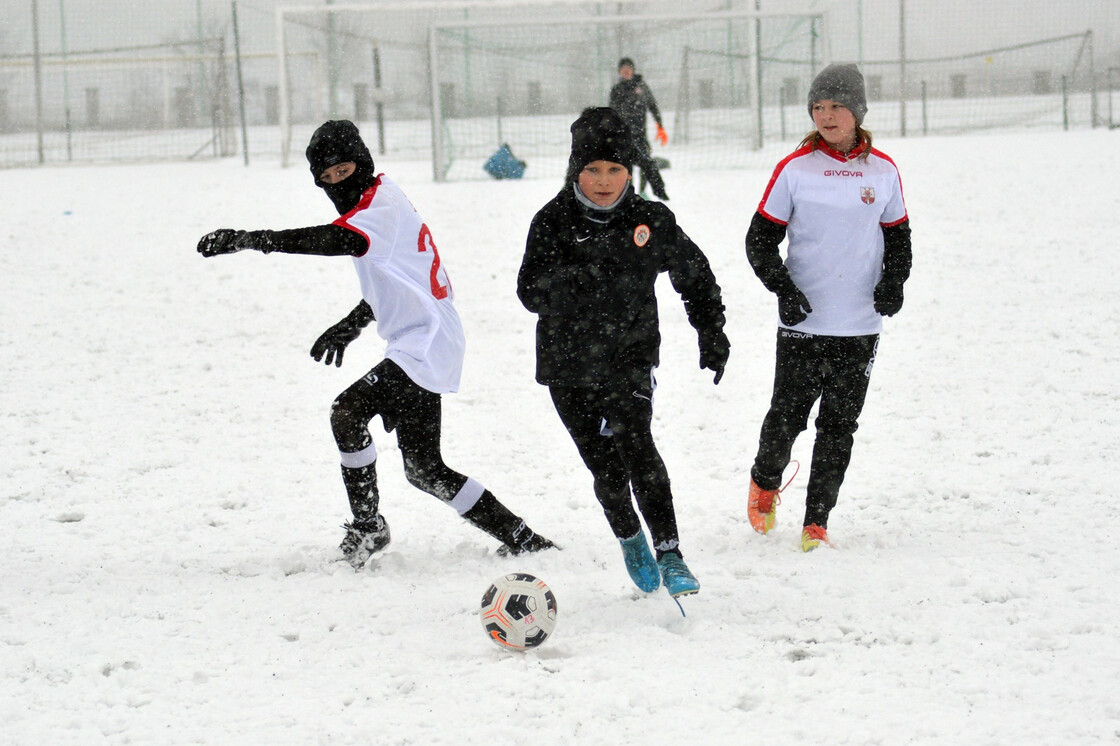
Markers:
point(831, 152)
point(595, 212)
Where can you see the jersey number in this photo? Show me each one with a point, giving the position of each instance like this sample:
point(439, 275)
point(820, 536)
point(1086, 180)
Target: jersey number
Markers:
point(423, 243)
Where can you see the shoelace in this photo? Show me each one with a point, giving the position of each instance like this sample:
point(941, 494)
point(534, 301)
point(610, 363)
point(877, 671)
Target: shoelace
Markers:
point(674, 568)
point(815, 532)
point(767, 500)
point(766, 505)
point(796, 468)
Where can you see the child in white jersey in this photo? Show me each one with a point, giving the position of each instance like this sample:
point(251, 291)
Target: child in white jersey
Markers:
point(406, 291)
point(840, 204)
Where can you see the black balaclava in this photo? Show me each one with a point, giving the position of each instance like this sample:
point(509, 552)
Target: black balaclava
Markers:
point(600, 135)
point(338, 142)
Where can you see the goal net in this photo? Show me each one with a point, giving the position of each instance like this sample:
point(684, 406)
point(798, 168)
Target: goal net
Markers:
point(522, 83)
point(452, 82)
point(1043, 82)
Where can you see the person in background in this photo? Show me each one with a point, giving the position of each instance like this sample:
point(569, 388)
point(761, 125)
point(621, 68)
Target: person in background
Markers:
point(839, 203)
point(405, 289)
point(631, 97)
point(592, 258)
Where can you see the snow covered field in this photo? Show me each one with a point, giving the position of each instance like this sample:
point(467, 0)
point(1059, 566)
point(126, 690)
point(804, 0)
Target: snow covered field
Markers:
point(170, 499)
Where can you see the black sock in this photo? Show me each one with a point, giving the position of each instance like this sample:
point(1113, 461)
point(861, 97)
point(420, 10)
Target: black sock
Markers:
point(490, 516)
point(361, 490)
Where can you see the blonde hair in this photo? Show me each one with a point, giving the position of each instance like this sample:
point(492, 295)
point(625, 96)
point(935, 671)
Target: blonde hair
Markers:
point(814, 140)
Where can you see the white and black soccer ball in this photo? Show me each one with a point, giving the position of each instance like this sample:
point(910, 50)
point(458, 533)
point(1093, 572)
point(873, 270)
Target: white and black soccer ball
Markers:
point(518, 611)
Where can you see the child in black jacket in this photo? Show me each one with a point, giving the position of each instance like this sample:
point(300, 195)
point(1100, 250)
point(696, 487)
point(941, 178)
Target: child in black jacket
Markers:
point(591, 260)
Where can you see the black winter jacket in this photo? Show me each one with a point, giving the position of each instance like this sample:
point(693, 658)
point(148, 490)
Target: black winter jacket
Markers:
point(631, 98)
point(592, 288)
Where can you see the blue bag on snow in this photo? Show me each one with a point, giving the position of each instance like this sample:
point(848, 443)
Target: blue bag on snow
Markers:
point(504, 164)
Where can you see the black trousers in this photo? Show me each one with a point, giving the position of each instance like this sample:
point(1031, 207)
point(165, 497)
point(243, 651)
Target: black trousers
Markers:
point(649, 171)
point(415, 413)
point(624, 459)
point(808, 367)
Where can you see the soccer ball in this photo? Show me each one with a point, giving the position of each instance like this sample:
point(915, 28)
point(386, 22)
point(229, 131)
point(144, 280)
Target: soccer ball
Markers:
point(518, 611)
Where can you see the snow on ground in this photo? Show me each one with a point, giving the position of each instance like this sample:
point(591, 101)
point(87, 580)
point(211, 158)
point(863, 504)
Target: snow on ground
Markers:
point(170, 499)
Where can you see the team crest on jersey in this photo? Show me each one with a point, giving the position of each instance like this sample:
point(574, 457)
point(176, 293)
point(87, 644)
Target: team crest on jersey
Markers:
point(867, 194)
point(641, 235)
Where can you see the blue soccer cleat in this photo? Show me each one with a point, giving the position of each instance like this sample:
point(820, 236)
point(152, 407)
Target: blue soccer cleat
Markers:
point(679, 581)
point(640, 562)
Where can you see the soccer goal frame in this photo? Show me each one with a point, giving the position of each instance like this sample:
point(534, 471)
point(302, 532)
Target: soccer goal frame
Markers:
point(618, 24)
point(418, 8)
point(752, 82)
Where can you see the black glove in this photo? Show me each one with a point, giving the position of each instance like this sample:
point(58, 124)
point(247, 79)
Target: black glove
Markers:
point(793, 306)
point(888, 297)
point(228, 241)
point(333, 341)
point(715, 348)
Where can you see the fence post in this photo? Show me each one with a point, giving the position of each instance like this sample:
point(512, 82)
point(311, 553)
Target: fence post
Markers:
point(925, 114)
point(240, 84)
point(500, 121)
point(902, 65)
point(379, 106)
point(439, 173)
point(1094, 110)
point(783, 96)
point(38, 79)
point(1065, 105)
point(66, 82)
point(758, 74)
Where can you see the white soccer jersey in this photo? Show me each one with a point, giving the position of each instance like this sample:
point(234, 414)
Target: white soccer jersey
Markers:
point(833, 209)
point(406, 287)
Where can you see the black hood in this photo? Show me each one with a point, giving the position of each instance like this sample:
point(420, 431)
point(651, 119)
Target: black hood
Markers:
point(338, 142)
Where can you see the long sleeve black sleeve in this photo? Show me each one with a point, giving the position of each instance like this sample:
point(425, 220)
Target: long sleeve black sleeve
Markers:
point(318, 240)
point(764, 238)
point(897, 254)
point(691, 275)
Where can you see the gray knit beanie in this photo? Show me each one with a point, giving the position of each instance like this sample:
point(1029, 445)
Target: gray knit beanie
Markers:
point(842, 83)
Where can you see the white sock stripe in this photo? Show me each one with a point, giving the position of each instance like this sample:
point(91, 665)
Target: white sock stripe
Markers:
point(361, 458)
point(467, 496)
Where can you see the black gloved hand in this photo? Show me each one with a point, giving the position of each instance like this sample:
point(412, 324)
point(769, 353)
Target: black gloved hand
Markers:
point(793, 306)
point(228, 241)
point(888, 297)
point(333, 341)
point(715, 348)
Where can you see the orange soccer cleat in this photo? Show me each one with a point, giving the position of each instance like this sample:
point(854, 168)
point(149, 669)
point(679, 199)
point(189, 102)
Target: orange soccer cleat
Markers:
point(812, 536)
point(762, 508)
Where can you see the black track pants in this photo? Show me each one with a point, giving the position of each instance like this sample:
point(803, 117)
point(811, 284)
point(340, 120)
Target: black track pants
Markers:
point(415, 413)
point(626, 458)
point(808, 367)
point(649, 171)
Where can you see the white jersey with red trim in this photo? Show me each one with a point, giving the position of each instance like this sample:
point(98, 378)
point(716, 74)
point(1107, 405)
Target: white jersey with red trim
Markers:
point(834, 209)
point(407, 288)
